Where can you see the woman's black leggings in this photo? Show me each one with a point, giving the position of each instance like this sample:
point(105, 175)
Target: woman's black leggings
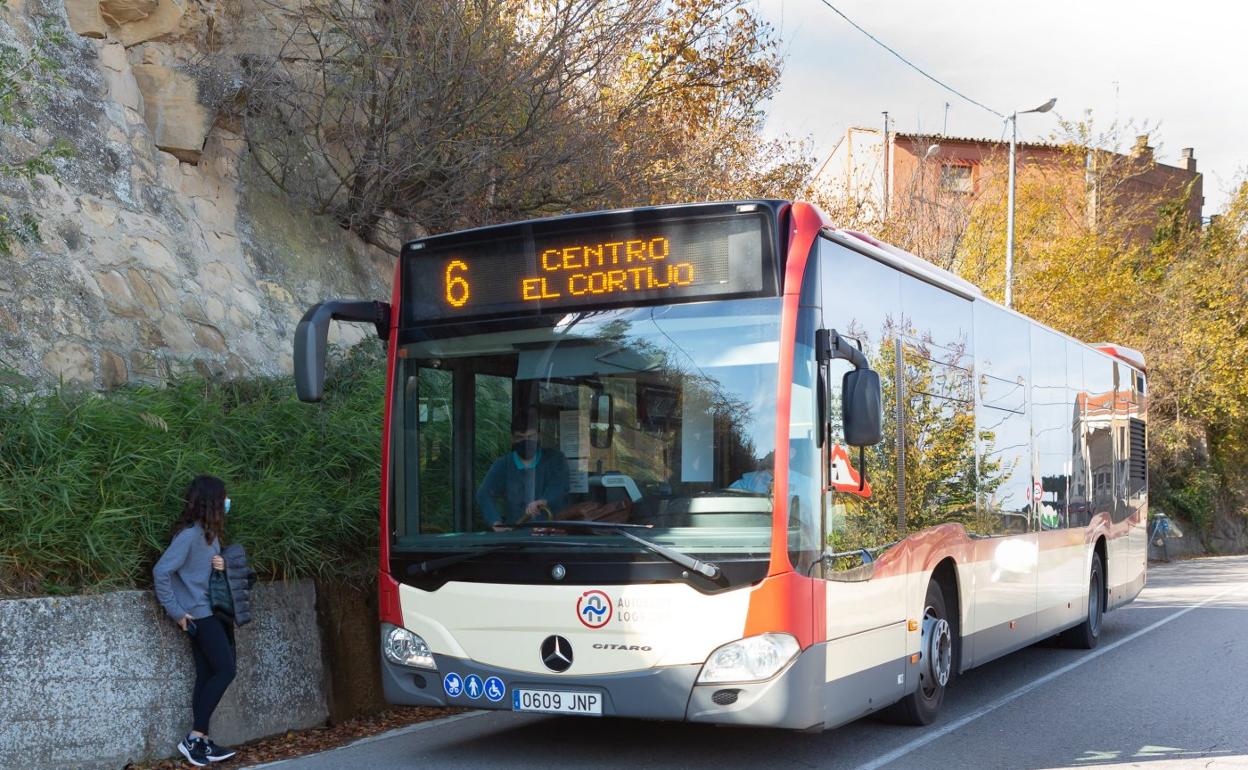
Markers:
point(214, 668)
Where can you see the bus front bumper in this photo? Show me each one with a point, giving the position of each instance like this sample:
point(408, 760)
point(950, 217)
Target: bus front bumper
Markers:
point(787, 700)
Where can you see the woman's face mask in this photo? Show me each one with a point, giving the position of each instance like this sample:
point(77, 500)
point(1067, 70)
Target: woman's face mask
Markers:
point(227, 505)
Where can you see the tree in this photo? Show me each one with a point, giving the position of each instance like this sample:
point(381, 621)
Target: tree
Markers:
point(1195, 323)
point(452, 113)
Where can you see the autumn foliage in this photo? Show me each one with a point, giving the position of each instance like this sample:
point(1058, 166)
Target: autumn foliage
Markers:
point(452, 113)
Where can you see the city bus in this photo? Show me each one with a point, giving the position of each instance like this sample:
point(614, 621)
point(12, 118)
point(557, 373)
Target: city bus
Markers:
point(727, 463)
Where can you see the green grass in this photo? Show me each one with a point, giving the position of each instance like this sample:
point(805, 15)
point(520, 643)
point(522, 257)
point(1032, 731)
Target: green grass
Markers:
point(91, 483)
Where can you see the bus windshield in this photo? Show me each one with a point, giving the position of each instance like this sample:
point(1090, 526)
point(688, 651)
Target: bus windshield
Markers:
point(661, 416)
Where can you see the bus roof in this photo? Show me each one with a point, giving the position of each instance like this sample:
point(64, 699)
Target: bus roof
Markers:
point(773, 204)
point(1129, 356)
point(907, 262)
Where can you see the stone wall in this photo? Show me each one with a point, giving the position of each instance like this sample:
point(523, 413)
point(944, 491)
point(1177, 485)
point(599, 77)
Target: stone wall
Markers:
point(99, 681)
point(162, 248)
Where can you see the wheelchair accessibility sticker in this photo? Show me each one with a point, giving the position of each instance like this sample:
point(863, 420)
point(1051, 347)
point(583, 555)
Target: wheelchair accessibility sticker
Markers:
point(495, 689)
point(594, 609)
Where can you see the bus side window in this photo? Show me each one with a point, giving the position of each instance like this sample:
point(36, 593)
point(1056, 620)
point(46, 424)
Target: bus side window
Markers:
point(938, 429)
point(1051, 423)
point(861, 299)
point(1003, 421)
point(1076, 400)
point(1098, 411)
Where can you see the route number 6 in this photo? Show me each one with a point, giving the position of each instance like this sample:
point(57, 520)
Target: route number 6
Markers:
point(456, 285)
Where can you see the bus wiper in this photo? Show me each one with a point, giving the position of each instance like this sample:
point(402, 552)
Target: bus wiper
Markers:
point(433, 565)
point(706, 569)
point(577, 524)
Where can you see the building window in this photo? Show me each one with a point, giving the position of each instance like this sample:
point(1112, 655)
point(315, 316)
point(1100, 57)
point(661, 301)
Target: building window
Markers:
point(956, 178)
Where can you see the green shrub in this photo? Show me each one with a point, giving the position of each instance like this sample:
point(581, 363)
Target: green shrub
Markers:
point(90, 484)
point(1192, 497)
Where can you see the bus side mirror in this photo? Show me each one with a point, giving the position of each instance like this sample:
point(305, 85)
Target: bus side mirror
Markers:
point(862, 414)
point(312, 335)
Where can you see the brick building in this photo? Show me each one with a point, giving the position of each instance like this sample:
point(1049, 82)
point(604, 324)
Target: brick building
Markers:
point(938, 176)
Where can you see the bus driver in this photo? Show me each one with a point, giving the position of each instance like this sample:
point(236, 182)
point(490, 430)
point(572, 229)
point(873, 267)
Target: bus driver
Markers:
point(532, 481)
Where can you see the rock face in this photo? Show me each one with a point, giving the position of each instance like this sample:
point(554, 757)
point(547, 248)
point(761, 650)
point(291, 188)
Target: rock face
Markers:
point(118, 12)
point(85, 18)
point(178, 122)
point(163, 19)
point(149, 265)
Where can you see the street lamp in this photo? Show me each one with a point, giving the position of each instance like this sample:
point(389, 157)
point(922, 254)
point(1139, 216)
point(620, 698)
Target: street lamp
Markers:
point(1009, 217)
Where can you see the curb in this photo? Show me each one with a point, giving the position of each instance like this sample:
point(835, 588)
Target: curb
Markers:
point(417, 727)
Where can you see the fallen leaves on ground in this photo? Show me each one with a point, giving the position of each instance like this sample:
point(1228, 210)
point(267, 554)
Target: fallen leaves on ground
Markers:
point(296, 743)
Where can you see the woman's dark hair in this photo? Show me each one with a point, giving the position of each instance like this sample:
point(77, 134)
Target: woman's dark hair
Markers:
point(205, 505)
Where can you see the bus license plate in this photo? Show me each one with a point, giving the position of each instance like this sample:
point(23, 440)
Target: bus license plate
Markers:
point(557, 702)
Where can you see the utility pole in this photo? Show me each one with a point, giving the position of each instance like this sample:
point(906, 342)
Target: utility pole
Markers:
point(944, 131)
point(1009, 216)
point(885, 156)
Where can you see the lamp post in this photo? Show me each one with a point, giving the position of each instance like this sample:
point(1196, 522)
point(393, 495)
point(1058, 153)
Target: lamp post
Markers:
point(1009, 217)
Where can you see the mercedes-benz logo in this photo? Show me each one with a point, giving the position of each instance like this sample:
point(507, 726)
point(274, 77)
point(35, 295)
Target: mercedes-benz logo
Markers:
point(557, 654)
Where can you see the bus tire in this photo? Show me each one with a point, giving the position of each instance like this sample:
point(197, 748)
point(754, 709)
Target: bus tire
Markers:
point(1086, 635)
point(935, 664)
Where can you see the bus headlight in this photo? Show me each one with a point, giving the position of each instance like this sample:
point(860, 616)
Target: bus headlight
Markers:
point(408, 649)
point(749, 660)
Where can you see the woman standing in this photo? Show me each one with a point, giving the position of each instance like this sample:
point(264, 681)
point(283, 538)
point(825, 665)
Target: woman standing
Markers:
point(182, 577)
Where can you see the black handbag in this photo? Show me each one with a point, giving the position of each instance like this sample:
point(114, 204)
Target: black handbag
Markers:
point(219, 596)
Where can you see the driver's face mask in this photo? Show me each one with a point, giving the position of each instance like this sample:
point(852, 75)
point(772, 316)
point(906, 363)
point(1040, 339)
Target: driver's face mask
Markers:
point(525, 445)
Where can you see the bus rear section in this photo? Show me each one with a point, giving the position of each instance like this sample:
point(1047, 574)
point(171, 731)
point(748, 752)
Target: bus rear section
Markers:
point(723, 463)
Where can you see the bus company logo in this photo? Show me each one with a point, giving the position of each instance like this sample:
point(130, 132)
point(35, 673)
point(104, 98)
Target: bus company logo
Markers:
point(556, 654)
point(594, 609)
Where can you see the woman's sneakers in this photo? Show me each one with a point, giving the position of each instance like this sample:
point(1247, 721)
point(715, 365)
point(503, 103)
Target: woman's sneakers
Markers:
point(195, 750)
point(218, 753)
point(200, 751)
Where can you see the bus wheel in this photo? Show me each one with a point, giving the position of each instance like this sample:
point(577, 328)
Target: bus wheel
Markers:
point(1085, 635)
point(935, 663)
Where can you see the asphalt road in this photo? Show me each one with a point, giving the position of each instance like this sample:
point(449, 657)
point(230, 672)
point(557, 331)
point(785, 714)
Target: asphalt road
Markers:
point(1167, 688)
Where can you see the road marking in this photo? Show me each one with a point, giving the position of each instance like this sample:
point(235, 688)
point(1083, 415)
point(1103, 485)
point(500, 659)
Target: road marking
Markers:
point(958, 724)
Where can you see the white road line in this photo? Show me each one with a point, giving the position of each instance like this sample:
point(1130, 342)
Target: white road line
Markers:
point(958, 724)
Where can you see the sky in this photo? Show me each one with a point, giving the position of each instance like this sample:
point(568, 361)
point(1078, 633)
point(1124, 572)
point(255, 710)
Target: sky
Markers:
point(1176, 70)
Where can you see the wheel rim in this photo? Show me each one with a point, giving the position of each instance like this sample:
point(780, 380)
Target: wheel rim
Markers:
point(937, 648)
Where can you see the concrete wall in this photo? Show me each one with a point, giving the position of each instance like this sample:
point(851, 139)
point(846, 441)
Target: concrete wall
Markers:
point(98, 681)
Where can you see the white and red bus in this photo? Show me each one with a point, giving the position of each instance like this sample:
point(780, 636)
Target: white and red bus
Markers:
point(726, 463)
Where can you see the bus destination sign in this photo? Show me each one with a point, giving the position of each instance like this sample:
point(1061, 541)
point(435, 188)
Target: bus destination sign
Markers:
point(526, 270)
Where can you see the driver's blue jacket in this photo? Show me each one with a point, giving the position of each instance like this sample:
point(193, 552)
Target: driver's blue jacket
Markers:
point(519, 484)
